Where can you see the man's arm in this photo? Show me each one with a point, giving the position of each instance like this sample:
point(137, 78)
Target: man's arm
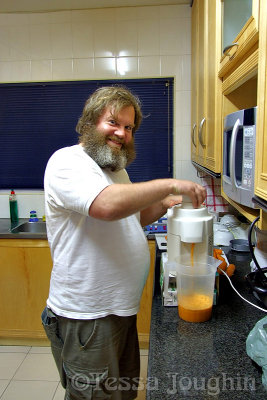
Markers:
point(150, 198)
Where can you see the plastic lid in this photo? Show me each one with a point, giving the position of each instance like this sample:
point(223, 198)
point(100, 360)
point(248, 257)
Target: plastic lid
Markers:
point(12, 191)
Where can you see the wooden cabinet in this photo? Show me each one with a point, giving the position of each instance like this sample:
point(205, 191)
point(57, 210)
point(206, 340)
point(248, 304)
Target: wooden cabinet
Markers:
point(144, 315)
point(245, 86)
point(242, 83)
point(25, 268)
point(261, 142)
point(243, 44)
point(206, 86)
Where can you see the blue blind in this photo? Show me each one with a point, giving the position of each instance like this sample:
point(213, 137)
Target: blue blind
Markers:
point(36, 119)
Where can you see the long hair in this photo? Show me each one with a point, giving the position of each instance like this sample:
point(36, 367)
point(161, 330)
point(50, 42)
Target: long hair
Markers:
point(116, 97)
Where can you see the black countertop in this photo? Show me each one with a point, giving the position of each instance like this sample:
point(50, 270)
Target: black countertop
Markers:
point(206, 360)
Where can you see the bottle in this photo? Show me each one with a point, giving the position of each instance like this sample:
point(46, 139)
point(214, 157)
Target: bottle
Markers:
point(33, 216)
point(13, 206)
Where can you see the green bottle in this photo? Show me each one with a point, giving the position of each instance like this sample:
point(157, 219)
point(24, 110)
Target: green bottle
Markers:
point(13, 206)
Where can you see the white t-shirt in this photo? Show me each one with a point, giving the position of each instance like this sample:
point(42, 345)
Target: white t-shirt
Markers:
point(99, 267)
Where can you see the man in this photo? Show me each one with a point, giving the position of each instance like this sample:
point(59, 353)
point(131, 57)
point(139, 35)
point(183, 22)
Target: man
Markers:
point(100, 255)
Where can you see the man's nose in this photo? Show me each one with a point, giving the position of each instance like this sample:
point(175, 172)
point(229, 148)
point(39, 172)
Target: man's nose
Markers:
point(120, 131)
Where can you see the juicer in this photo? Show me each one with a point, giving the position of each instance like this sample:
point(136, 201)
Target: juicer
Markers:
point(189, 239)
point(190, 232)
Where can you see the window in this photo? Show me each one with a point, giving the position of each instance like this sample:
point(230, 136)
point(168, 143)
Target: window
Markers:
point(36, 119)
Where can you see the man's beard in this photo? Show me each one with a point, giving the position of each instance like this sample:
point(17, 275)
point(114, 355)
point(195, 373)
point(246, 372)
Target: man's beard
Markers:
point(95, 145)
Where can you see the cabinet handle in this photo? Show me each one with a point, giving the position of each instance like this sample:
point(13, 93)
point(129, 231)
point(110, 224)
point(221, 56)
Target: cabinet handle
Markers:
point(225, 50)
point(200, 133)
point(193, 135)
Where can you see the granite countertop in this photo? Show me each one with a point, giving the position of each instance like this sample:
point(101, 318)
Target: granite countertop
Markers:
point(206, 360)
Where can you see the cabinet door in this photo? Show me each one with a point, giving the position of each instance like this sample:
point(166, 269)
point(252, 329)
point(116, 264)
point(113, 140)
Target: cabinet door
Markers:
point(202, 81)
point(206, 86)
point(213, 89)
point(243, 44)
point(194, 81)
point(198, 81)
point(24, 285)
point(144, 314)
point(261, 144)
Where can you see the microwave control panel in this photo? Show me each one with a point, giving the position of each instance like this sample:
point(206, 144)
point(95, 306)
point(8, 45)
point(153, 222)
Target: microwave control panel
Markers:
point(248, 156)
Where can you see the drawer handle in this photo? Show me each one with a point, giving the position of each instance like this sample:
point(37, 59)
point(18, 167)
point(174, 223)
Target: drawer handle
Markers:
point(227, 48)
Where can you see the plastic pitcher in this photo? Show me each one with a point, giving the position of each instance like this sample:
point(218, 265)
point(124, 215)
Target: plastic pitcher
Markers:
point(195, 286)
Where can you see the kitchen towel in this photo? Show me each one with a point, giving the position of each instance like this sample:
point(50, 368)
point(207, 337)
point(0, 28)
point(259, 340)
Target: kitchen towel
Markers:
point(214, 200)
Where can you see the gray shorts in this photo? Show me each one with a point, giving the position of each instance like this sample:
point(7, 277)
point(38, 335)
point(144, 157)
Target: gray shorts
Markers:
point(96, 359)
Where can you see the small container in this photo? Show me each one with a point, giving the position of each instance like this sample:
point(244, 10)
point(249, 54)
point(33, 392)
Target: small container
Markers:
point(13, 207)
point(240, 245)
point(33, 216)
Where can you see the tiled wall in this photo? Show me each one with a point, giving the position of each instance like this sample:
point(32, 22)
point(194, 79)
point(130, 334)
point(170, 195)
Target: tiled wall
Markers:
point(126, 42)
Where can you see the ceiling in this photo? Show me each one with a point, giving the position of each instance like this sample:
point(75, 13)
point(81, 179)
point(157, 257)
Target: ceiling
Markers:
point(15, 6)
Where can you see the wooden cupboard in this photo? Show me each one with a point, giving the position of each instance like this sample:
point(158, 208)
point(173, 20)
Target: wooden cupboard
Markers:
point(236, 81)
point(144, 315)
point(244, 86)
point(25, 268)
point(243, 44)
point(206, 85)
point(25, 273)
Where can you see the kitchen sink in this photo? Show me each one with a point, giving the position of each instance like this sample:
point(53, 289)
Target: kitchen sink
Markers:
point(30, 227)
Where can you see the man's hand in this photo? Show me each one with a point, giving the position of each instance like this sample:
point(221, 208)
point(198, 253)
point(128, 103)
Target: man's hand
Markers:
point(196, 192)
point(171, 200)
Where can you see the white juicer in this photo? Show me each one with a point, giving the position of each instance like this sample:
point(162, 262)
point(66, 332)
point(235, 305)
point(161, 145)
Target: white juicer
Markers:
point(187, 226)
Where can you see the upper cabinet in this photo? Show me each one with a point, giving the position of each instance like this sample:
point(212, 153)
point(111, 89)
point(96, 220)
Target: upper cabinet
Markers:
point(240, 32)
point(206, 85)
point(261, 138)
point(244, 85)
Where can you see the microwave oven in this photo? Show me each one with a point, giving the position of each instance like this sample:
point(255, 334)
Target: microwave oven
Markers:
point(239, 140)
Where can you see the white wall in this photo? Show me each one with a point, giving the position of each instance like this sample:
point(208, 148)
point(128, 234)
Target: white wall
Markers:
point(127, 42)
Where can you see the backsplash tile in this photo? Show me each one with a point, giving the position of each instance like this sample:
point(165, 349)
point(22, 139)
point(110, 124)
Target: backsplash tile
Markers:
point(61, 35)
point(126, 38)
point(62, 69)
point(148, 37)
point(105, 67)
point(41, 70)
point(104, 39)
point(40, 42)
point(27, 201)
point(127, 66)
point(19, 42)
point(149, 66)
point(83, 68)
point(82, 39)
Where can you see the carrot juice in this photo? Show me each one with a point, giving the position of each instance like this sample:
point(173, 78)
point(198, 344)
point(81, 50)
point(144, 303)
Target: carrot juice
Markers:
point(195, 307)
point(195, 283)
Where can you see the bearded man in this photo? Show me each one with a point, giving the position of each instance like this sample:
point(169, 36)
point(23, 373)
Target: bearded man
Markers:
point(94, 218)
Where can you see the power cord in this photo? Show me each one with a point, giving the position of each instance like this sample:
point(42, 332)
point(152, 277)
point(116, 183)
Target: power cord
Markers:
point(260, 271)
point(243, 298)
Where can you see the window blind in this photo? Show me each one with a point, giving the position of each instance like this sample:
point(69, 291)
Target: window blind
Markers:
point(38, 118)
